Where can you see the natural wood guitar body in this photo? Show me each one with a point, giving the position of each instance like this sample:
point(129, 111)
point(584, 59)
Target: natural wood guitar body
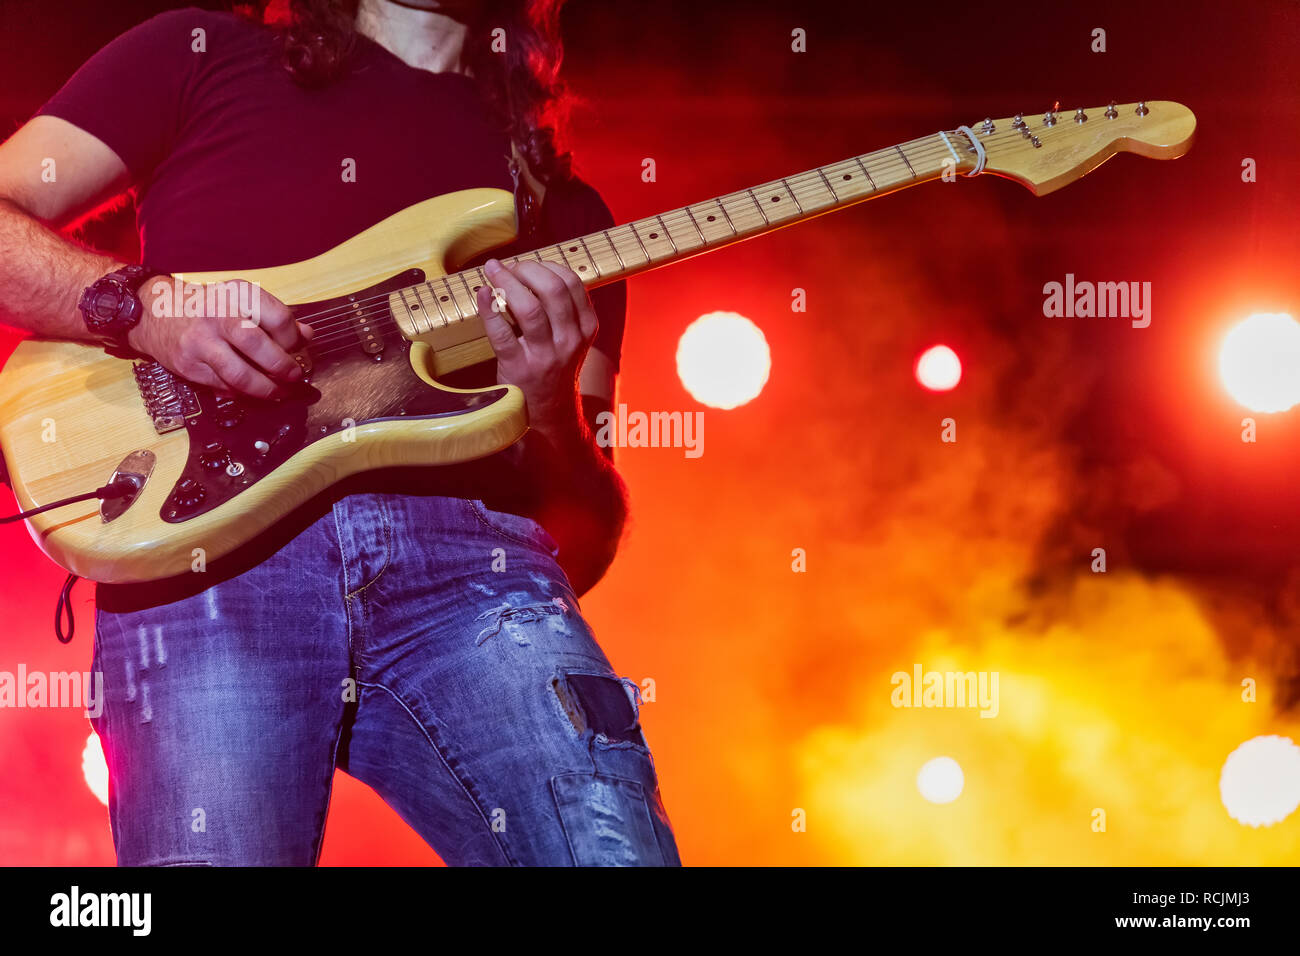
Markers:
point(70, 414)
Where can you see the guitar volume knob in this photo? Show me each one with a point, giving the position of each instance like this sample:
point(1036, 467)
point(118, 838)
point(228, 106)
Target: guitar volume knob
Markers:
point(188, 494)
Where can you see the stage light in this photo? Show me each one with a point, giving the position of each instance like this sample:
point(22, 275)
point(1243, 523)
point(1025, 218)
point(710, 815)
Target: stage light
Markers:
point(94, 768)
point(940, 780)
point(938, 368)
point(1259, 362)
point(1260, 781)
point(723, 360)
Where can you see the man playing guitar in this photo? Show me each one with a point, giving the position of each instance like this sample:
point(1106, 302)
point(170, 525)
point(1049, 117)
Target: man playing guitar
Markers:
point(418, 629)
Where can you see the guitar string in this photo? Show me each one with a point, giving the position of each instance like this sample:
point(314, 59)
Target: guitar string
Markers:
point(679, 218)
point(352, 313)
point(799, 186)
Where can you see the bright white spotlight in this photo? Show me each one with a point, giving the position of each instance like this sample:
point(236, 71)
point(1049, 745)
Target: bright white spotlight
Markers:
point(1259, 362)
point(938, 368)
point(1260, 781)
point(94, 768)
point(723, 360)
point(941, 780)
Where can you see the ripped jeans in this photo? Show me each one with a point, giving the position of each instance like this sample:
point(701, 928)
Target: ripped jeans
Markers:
point(429, 647)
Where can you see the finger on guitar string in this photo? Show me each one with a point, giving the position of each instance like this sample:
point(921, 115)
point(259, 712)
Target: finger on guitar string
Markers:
point(581, 329)
point(524, 304)
point(501, 335)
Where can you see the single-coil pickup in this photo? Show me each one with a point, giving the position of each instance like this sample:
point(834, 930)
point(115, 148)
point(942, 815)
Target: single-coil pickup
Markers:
point(366, 326)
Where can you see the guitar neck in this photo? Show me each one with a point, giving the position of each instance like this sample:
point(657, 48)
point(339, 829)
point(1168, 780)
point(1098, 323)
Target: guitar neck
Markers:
point(636, 247)
point(678, 234)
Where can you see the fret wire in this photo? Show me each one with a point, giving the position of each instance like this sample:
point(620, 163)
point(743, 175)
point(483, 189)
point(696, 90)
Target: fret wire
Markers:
point(618, 255)
point(668, 234)
point(565, 257)
point(797, 205)
point(726, 214)
point(592, 259)
point(759, 205)
point(446, 319)
point(696, 224)
point(829, 188)
point(421, 308)
point(473, 301)
point(452, 296)
point(632, 226)
point(858, 160)
point(409, 311)
point(904, 155)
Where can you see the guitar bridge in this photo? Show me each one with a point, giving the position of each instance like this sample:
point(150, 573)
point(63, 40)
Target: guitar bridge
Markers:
point(168, 400)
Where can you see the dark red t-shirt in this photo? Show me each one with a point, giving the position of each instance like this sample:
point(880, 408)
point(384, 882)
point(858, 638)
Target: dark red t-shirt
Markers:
point(237, 167)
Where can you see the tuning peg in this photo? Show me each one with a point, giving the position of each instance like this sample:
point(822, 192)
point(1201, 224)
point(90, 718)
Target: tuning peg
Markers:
point(1111, 112)
point(1080, 116)
point(1142, 109)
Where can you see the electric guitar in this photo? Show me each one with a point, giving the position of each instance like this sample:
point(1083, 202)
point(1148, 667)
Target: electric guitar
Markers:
point(206, 471)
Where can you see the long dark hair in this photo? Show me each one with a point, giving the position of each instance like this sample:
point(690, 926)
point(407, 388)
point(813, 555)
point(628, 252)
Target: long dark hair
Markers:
point(521, 86)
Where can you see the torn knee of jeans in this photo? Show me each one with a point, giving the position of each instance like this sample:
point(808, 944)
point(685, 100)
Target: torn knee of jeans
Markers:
point(511, 617)
point(607, 706)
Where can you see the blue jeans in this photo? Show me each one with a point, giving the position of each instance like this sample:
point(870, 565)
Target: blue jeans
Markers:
point(430, 647)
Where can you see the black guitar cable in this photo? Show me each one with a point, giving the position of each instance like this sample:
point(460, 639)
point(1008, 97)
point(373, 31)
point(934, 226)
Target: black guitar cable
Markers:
point(114, 489)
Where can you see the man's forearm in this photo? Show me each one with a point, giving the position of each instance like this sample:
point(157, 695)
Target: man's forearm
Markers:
point(583, 500)
point(42, 275)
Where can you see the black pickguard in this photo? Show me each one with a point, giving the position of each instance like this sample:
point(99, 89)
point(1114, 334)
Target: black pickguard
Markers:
point(236, 442)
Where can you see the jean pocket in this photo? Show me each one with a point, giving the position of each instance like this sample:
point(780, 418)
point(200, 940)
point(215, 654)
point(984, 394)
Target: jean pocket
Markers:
point(515, 527)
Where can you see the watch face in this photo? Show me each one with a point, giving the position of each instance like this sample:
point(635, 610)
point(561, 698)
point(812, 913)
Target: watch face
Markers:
point(106, 303)
point(109, 306)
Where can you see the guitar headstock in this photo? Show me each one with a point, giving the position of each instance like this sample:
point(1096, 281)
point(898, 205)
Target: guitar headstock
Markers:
point(1047, 151)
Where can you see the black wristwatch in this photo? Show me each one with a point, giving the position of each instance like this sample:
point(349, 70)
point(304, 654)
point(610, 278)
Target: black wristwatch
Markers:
point(111, 306)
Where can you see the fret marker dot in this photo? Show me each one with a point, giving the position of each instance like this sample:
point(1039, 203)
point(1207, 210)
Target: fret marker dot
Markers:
point(443, 298)
point(654, 235)
point(776, 199)
point(582, 268)
point(712, 218)
point(573, 248)
point(848, 175)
